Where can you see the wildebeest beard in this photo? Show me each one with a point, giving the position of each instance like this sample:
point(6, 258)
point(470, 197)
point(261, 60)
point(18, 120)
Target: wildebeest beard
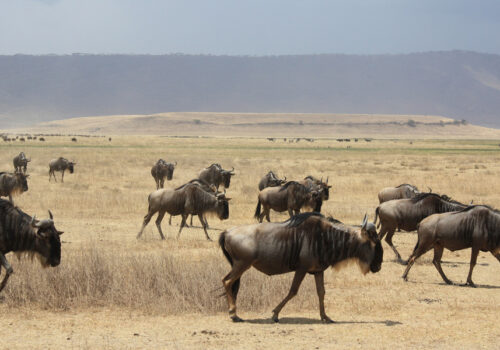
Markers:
point(70, 168)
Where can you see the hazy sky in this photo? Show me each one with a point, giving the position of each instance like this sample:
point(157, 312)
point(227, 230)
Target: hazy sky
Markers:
point(248, 27)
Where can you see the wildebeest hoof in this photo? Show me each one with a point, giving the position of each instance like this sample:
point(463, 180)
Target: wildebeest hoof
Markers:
point(327, 320)
point(236, 319)
point(275, 319)
point(469, 284)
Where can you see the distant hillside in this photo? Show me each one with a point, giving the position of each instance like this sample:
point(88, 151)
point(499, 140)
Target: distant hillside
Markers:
point(269, 125)
point(459, 85)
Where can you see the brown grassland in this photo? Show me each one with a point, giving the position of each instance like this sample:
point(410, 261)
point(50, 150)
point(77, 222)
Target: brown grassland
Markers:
point(112, 291)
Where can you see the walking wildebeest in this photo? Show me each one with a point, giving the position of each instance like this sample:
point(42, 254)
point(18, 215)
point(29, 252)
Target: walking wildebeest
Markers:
point(21, 163)
point(11, 184)
point(306, 243)
point(406, 214)
point(290, 197)
point(161, 170)
point(21, 233)
point(215, 175)
point(400, 192)
point(476, 227)
point(205, 187)
point(189, 199)
point(270, 180)
point(60, 164)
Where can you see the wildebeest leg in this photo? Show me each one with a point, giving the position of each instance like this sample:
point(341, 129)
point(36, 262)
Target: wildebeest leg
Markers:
point(162, 181)
point(320, 289)
point(170, 220)
point(297, 280)
point(382, 232)
point(231, 284)
point(62, 177)
point(200, 216)
point(183, 223)
point(8, 270)
point(473, 260)
point(419, 250)
point(147, 218)
point(438, 254)
point(265, 212)
point(290, 212)
point(388, 239)
point(161, 214)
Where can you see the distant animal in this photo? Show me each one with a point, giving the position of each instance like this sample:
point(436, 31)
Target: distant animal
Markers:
point(60, 164)
point(306, 243)
point(22, 139)
point(21, 163)
point(189, 199)
point(476, 227)
point(20, 233)
point(270, 180)
point(290, 197)
point(161, 170)
point(215, 175)
point(13, 183)
point(400, 192)
point(109, 139)
point(41, 139)
point(73, 139)
point(406, 214)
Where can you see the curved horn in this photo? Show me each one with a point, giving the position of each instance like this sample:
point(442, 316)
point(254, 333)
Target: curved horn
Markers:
point(51, 216)
point(34, 222)
point(284, 179)
point(430, 189)
point(365, 220)
point(327, 180)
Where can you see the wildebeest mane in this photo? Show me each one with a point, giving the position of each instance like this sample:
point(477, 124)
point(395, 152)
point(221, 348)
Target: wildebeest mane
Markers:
point(297, 220)
point(15, 225)
point(485, 223)
point(441, 197)
point(290, 183)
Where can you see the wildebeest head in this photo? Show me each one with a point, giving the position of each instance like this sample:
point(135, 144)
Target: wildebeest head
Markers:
point(226, 177)
point(70, 167)
point(22, 181)
point(273, 180)
point(372, 252)
point(222, 206)
point(325, 189)
point(50, 247)
point(170, 170)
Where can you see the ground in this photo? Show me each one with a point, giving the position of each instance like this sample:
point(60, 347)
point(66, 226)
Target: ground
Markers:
point(113, 291)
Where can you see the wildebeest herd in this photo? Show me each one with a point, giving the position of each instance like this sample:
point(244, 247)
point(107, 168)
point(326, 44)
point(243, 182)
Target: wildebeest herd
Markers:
point(306, 243)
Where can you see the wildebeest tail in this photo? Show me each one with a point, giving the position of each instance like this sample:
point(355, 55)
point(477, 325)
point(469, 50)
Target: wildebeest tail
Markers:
point(257, 210)
point(376, 217)
point(222, 241)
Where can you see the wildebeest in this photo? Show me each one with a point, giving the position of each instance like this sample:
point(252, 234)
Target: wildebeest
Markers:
point(21, 163)
point(12, 183)
point(406, 214)
point(215, 175)
point(400, 192)
point(290, 197)
point(270, 180)
point(21, 233)
point(161, 170)
point(73, 139)
point(205, 187)
point(41, 139)
point(306, 243)
point(476, 227)
point(317, 185)
point(189, 199)
point(60, 164)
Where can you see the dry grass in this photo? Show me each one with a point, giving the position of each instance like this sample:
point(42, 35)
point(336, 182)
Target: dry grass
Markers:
point(100, 207)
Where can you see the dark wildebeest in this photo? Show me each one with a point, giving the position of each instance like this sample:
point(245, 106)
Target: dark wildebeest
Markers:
point(73, 139)
point(215, 175)
point(290, 197)
point(11, 184)
point(21, 163)
point(21, 233)
point(270, 180)
point(60, 164)
point(400, 192)
point(42, 139)
point(314, 184)
point(476, 227)
point(306, 243)
point(205, 187)
point(161, 170)
point(189, 199)
point(406, 214)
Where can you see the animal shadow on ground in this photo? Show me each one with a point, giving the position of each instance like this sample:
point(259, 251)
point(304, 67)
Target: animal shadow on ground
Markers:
point(455, 284)
point(309, 321)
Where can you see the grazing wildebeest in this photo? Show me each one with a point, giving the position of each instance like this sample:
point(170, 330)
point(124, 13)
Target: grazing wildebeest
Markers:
point(476, 227)
point(189, 199)
point(270, 180)
point(21, 233)
point(161, 170)
point(11, 184)
point(41, 139)
point(205, 187)
point(290, 197)
point(60, 164)
point(215, 175)
point(400, 192)
point(73, 139)
point(21, 163)
point(406, 214)
point(306, 243)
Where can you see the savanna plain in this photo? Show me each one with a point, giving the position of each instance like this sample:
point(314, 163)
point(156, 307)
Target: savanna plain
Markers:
point(112, 291)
